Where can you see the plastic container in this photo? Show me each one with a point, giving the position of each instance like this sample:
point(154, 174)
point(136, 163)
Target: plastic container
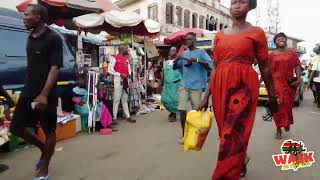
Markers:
point(197, 127)
point(16, 96)
point(63, 131)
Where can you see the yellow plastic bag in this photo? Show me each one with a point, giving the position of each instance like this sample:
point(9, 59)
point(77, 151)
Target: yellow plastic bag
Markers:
point(197, 128)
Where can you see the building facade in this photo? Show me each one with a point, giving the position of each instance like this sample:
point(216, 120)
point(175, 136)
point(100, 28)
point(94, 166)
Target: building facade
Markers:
point(174, 15)
point(9, 4)
point(292, 42)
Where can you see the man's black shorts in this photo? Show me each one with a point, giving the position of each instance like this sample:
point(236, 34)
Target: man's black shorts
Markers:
point(25, 116)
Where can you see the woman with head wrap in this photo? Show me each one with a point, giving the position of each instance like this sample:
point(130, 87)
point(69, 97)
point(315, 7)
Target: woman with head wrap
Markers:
point(234, 86)
point(283, 63)
point(171, 79)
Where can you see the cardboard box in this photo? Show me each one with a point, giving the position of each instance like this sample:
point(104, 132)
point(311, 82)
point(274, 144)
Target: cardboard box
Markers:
point(63, 131)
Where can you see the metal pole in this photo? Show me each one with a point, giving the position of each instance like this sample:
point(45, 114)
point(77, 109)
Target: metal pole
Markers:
point(132, 72)
point(145, 66)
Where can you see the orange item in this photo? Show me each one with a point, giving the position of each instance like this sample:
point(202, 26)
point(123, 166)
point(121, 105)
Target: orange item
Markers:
point(235, 91)
point(63, 131)
point(105, 68)
point(282, 67)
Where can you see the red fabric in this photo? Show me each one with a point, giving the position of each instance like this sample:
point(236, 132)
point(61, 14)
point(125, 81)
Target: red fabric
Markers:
point(55, 2)
point(235, 90)
point(122, 64)
point(180, 35)
point(22, 7)
point(59, 22)
point(181, 50)
point(282, 67)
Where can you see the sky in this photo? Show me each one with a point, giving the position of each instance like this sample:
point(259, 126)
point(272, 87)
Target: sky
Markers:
point(298, 18)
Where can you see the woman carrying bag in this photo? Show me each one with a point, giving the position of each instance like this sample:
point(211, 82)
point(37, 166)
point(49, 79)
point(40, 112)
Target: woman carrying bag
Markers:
point(283, 63)
point(234, 86)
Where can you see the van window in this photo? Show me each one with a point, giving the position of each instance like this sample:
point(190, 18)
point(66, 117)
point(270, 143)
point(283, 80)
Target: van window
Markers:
point(204, 43)
point(13, 42)
point(10, 13)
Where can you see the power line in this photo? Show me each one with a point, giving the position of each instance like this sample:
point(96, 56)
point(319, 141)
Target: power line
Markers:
point(273, 14)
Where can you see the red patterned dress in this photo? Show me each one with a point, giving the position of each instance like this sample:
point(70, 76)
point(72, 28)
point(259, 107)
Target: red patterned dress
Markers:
point(235, 91)
point(282, 67)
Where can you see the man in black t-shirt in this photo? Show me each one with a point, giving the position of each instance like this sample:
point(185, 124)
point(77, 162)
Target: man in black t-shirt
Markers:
point(38, 100)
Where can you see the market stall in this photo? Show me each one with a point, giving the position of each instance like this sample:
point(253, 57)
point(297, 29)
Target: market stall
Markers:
point(61, 13)
point(122, 25)
point(125, 27)
point(204, 39)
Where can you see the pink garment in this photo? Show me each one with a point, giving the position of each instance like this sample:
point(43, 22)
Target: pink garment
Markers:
point(100, 95)
point(76, 100)
point(122, 64)
point(106, 131)
point(105, 118)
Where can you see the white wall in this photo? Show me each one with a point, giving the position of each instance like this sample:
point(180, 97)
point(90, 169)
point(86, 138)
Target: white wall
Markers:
point(143, 6)
point(10, 4)
point(192, 6)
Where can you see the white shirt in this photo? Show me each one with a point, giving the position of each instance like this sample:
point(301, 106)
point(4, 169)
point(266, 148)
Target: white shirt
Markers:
point(170, 62)
point(111, 68)
point(316, 67)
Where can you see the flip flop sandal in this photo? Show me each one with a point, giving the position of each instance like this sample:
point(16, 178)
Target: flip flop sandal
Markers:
point(39, 164)
point(267, 117)
point(278, 136)
point(181, 141)
point(41, 178)
point(172, 119)
point(287, 129)
point(244, 167)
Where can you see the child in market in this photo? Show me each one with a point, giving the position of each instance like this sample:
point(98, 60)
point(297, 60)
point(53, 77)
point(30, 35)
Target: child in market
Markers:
point(305, 78)
point(80, 98)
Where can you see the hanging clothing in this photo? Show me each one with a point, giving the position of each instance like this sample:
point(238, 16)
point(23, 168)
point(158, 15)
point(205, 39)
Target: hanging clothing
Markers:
point(282, 67)
point(235, 91)
point(171, 84)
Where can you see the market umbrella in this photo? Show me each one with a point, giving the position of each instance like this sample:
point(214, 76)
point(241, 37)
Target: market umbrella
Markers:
point(180, 35)
point(61, 12)
point(118, 22)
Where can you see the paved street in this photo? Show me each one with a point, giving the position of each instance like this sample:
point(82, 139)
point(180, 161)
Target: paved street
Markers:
point(148, 150)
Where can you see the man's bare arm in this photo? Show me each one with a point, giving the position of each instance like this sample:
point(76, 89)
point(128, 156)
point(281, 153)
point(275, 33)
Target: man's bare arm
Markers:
point(51, 80)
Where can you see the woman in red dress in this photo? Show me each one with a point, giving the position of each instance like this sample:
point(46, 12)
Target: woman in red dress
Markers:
point(283, 63)
point(234, 86)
